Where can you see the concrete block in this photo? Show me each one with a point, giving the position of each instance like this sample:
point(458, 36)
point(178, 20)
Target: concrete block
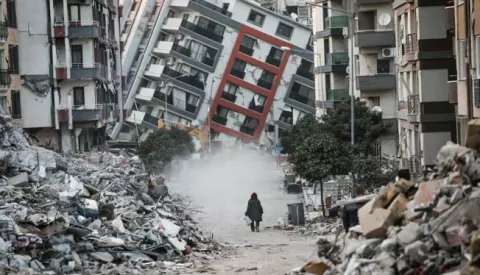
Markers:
point(376, 223)
point(20, 180)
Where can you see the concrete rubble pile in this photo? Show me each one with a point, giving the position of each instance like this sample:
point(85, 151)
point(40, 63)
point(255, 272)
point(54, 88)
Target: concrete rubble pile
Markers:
point(88, 214)
point(431, 227)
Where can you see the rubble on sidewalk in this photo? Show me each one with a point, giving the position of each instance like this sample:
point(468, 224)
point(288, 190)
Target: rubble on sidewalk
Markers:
point(425, 228)
point(88, 214)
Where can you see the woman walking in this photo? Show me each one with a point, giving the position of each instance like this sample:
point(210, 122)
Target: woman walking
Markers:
point(254, 212)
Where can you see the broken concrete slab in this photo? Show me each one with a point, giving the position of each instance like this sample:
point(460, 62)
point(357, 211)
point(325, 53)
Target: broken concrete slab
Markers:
point(409, 234)
point(20, 180)
point(375, 224)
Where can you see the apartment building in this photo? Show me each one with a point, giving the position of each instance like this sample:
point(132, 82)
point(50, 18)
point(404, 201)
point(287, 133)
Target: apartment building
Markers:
point(465, 91)
point(69, 63)
point(425, 69)
point(234, 68)
point(373, 50)
point(9, 74)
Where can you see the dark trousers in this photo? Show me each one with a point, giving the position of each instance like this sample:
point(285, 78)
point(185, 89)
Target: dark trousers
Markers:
point(254, 224)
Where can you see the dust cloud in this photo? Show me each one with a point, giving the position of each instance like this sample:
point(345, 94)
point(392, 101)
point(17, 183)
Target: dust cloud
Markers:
point(221, 186)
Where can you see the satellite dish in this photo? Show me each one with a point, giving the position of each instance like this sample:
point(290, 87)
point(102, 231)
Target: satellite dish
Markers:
point(384, 19)
point(377, 109)
point(294, 16)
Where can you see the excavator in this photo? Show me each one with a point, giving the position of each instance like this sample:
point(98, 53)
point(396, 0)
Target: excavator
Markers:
point(200, 137)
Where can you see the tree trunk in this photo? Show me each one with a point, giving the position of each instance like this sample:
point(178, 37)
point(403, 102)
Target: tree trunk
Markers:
point(315, 188)
point(321, 198)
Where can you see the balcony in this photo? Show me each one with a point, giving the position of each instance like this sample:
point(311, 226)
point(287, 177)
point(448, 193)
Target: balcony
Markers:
point(81, 71)
point(228, 96)
point(87, 113)
point(273, 61)
point(335, 63)
point(264, 84)
point(302, 99)
point(333, 26)
point(163, 48)
point(181, 50)
point(154, 70)
point(219, 120)
point(3, 33)
point(305, 74)
point(172, 24)
point(337, 95)
point(190, 108)
point(213, 7)
point(143, 119)
point(202, 31)
point(237, 73)
point(375, 38)
point(377, 82)
point(5, 79)
point(247, 130)
point(246, 50)
point(77, 30)
point(187, 79)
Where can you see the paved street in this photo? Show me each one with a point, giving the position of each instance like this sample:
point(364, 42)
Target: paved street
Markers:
point(221, 188)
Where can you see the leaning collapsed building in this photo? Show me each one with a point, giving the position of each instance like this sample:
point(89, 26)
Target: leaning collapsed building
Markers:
point(68, 62)
point(234, 68)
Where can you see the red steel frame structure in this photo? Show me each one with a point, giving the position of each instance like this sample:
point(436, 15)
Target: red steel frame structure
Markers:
point(269, 94)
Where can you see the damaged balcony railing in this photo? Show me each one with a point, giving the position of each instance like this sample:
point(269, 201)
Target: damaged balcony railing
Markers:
point(188, 79)
point(175, 102)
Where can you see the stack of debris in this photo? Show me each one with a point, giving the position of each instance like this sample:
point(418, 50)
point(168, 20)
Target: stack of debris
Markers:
point(426, 228)
point(87, 214)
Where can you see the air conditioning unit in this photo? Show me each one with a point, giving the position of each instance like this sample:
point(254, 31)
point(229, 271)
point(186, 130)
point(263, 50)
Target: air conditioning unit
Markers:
point(171, 61)
point(179, 36)
point(388, 52)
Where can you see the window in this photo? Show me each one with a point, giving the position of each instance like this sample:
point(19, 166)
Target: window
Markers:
point(357, 64)
point(276, 53)
point(248, 41)
point(74, 13)
point(78, 96)
point(461, 1)
point(303, 94)
point(13, 59)
point(239, 65)
point(11, 13)
point(16, 106)
point(231, 88)
point(202, 53)
point(256, 18)
point(461, 50)
point(477, 56)
point(383, 66)
point(185, 16)
point(267, 76)
point(211, 26)
point(77, 56)
point(162, 36)
point(225, 6)
point(284, 31)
